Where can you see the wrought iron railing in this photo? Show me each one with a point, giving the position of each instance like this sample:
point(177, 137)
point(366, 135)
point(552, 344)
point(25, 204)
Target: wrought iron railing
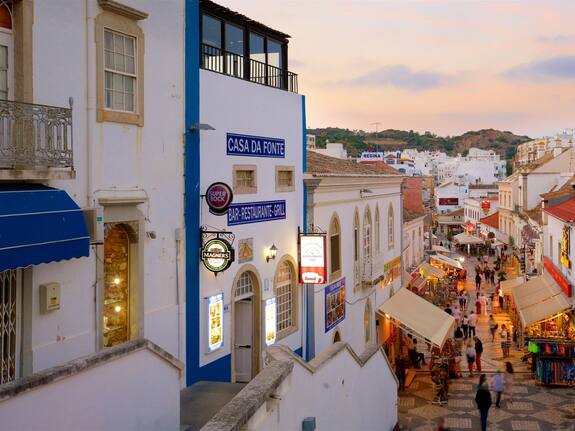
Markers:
point(372, 270)
point(231, 64)
point(35, 136)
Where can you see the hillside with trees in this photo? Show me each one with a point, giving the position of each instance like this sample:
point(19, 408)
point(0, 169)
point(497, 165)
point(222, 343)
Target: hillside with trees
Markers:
point(356, 141)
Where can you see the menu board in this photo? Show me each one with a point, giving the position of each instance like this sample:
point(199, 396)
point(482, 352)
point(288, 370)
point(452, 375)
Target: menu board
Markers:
point(334, 304)
point(215, 322)
point(270, 315)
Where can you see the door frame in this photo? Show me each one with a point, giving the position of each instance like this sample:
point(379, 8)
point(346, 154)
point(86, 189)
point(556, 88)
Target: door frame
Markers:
point(256, 320)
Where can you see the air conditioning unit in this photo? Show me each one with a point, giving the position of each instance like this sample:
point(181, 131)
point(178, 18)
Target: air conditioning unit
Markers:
point(95, 223)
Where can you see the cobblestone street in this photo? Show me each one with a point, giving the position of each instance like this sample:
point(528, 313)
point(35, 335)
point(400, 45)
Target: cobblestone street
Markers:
point(533, 408)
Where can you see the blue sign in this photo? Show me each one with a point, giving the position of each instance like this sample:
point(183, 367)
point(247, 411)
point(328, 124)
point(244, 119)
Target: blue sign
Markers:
point(334, 304)
point(255, 146)
point(256, 212)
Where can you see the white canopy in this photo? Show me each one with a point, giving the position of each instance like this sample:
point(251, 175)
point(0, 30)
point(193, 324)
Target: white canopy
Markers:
point(416, 314)
point(428, 270)
point(508, 285)
point(440, 249)
point(447, 261)
point(465, 239)
point(543, 310)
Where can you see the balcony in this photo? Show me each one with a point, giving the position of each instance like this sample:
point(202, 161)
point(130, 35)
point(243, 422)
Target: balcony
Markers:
point(238, 66)
point(35, 142)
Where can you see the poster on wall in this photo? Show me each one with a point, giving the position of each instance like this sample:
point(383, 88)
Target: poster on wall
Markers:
point(270, 315)
point(566, 247)
point(334, 304)
point(312, 258)
point(215, 322)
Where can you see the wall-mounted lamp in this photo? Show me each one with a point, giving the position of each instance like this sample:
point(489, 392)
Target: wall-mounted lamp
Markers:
point(272, 252)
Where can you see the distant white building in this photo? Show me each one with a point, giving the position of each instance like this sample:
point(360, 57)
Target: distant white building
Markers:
point(450, 196)
point(332, 149)
point(537, 148)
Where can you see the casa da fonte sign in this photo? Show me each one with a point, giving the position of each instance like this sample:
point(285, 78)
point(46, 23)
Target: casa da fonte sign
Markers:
point(255, 146)
point(217, 255)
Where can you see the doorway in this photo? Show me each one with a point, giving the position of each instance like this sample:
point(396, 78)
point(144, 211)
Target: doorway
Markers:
point(246, 328)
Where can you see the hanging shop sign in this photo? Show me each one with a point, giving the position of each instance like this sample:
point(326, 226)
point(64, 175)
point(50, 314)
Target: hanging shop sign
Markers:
point(485, 206)
point(219, 197)
point(255, 146)
point(334, 304)
point(566, 247)
point(215, 322)
point(271, 325)
point(312, 258)
point(217, 255)
point(245, 250)
point(448, 201)
point(559, 278)
point(256, 212)
point(391, 271)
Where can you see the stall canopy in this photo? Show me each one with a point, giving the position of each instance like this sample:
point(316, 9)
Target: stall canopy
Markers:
point(39, 224)
point(440, 249)
point(429, 270)
point(447, 261)
point(508, 285)
point(538, 299)
point(465, 239)
point(415, 314)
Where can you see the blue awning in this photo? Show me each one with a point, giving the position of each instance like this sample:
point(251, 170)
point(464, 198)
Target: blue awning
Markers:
point(39, 224)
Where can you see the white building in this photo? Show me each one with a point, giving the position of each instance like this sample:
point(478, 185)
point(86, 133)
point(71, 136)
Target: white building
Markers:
point(476, 209)
point(413, 239)
point(120, 153)
point(450, 196)
point(536, 149)
point(332, 149)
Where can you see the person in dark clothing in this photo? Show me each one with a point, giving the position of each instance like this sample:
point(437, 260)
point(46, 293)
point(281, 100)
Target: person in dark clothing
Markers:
point(400, 373)
point(477, 281)
point(483, 400)
point(492, 276)
point(478, 353)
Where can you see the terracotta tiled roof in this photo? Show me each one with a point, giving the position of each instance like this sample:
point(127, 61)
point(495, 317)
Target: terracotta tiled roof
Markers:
point(564, 211)
point(491, 220)
point(409, 215)
point(322, 164)
point(565, 190)
point(535, 214)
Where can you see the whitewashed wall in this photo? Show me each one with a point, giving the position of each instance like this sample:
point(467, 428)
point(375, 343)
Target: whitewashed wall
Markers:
point(232, 105)
point(121, 159)
point(413, 242)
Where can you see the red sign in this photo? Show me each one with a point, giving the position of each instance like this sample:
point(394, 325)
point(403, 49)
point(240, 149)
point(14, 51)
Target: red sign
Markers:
point(485, 206)
point(448, 201)
point(558, 277)
point(312, 259)
point(219, 196)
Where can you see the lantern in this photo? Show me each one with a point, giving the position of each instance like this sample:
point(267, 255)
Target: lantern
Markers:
point(485, 206)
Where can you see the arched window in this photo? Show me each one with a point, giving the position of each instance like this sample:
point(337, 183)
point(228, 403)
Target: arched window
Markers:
point(334, 247)
point(367, 233)
point(390, 230)
point(376, 230)
point(356, 248)
point(367, 321)
point(285, 288)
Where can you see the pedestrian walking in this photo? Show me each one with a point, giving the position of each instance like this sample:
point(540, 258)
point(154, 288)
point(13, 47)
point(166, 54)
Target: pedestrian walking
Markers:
point(456, 313)
point(498, 387)
point(410, 350)
point(472, 323)
point(470, 356)
point(492, 276)
point(505, 341)
point(477, 281)
point(483, 400)
point(465, 326)
point(483, 300)
point(509, 380)
point(419, 357)
point(500, 298)
point(492, 327)
point(441, 425)
point(458, 340)
point(462, 300)
point(400, 372)
point(478, 353)
point(486, 274)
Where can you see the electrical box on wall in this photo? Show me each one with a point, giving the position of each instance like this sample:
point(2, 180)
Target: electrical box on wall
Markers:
point(95, 223)
point(49, 297)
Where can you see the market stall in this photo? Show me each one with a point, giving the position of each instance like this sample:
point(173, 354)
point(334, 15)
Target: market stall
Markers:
point(435, 282)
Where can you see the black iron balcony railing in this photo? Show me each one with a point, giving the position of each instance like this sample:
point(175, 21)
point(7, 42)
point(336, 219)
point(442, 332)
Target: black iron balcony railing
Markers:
point(35, 136)
point(228, 63)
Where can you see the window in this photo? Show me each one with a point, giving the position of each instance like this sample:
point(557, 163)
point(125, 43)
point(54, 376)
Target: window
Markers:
point(356, 248)
point(245, 179)
point(551, 247)
point(211, 31)
point(234, 50)
point(367, 322)
point(244, 286)
point(120, 71)
point(390, 227)
point(367, 233)
point(334, 247)
point(376, 231)
point(285, 179)
point(120, 65)
point(286, 297)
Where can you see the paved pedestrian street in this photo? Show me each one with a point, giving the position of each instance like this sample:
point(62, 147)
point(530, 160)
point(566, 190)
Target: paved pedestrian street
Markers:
point(533, 408)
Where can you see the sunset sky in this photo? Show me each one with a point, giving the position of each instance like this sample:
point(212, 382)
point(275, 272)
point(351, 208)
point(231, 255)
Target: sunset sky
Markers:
point(446, 66)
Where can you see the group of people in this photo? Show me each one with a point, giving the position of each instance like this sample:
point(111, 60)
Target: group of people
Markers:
point(487, 273)
point(410, 356)
point(502, 383)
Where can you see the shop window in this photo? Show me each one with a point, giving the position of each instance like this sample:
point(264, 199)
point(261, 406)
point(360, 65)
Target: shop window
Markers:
point(376, 231)
point(117, 307)
point(334, 248)
point(244, 286)
point(390, 227)
point(367, 233)
point(245, 179)
point(285, 179)
point(286, 299)
point(367, 322)
point(9, 325)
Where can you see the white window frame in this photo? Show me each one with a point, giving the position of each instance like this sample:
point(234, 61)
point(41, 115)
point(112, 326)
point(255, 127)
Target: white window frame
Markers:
point(390, 227)
point(286, 289)
point(376, 229)
point(7, 39)
point(134, 75)
point(367, 237)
